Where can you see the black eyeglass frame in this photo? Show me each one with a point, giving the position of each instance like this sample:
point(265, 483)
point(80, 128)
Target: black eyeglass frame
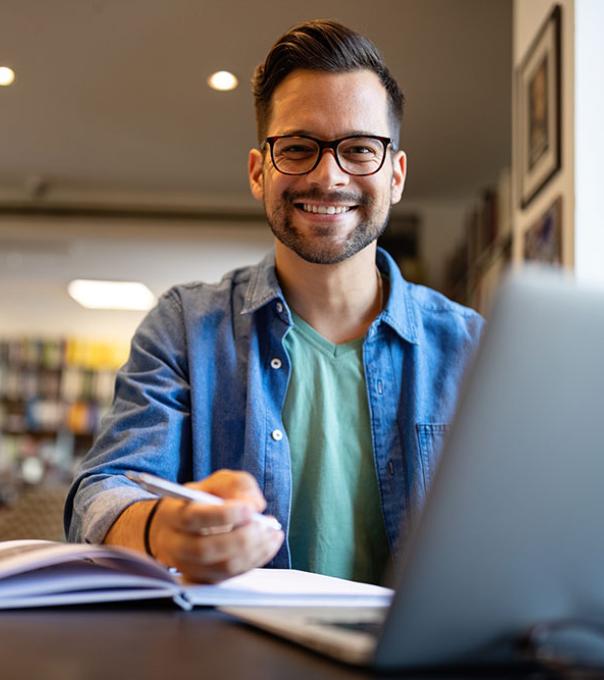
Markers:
point(332, 144)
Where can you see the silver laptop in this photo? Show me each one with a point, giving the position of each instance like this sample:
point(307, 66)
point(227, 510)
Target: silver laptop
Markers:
point(512, 533)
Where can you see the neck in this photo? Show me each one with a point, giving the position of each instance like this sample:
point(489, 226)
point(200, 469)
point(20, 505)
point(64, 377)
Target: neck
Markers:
point(339, 301)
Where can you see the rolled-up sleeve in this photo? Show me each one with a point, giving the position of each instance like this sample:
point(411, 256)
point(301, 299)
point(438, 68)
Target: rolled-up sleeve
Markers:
point(147, 429)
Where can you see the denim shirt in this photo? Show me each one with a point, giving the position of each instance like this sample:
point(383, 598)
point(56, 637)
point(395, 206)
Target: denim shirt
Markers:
point(202, 391)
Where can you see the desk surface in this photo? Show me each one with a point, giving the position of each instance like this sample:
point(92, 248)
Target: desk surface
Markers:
point(149, 642)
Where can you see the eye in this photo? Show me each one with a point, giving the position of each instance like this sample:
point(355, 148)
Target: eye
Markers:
point(295, 148)
point(360, 150)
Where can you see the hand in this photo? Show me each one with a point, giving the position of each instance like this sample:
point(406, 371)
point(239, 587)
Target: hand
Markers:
point(213, 542)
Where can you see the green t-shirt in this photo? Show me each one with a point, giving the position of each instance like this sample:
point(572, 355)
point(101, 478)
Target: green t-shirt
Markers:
point(336, 525)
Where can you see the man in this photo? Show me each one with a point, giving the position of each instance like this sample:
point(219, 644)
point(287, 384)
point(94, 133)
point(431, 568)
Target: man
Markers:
point(316, 385)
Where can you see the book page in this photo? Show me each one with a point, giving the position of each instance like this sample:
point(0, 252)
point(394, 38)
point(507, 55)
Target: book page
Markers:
point(17, 557)
point(75, 577)
point(288, 587)
point(12, 548)
point(41, 573)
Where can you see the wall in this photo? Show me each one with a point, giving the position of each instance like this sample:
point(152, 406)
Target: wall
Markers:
point(589, 139)
point(38, 259)
point(443, 227)
point(529, 15)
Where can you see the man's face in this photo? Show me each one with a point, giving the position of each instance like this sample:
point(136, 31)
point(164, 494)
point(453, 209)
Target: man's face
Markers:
point(328, 106)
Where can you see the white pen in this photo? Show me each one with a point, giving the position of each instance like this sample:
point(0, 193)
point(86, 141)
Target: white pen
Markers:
point(163, 487)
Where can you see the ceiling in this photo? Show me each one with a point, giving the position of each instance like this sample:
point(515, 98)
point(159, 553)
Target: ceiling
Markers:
point(111, 97)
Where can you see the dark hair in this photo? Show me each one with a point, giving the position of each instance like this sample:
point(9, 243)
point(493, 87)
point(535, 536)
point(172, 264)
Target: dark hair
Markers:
point(322, 45)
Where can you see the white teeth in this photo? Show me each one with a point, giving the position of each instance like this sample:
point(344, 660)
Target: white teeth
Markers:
point(326, 209)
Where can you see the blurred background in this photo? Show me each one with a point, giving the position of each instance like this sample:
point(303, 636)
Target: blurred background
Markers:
point(120, 163)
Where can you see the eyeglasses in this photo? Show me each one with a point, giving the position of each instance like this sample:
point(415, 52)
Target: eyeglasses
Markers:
point(358, 155)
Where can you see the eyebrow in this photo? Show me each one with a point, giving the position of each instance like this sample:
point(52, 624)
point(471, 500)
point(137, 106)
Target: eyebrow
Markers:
point(308, 133)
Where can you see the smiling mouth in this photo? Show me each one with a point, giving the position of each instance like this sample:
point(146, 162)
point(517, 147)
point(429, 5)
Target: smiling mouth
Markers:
point(325, 209)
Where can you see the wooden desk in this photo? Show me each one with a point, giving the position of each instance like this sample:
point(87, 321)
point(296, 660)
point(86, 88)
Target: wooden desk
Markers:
point(152, 642)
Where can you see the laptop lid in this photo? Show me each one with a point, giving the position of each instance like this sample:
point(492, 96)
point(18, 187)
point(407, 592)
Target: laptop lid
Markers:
point(512, 532)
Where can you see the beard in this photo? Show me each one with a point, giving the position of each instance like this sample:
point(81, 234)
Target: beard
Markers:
point(318, 246)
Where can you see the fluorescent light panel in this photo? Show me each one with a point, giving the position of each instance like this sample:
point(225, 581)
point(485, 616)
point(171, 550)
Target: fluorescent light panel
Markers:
point(130, 295)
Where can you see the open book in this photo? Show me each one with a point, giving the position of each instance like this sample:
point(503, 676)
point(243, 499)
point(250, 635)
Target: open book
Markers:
point(44, 573)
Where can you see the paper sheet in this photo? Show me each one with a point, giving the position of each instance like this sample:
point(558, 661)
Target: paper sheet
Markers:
point(288, 588)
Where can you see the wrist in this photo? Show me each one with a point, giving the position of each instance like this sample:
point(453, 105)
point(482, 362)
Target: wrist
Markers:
point(147, 529)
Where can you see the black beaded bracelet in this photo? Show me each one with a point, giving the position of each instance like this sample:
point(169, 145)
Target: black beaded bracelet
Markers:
point(150, 517)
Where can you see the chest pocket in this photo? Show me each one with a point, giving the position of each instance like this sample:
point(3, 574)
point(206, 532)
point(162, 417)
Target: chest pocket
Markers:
point(430, 440)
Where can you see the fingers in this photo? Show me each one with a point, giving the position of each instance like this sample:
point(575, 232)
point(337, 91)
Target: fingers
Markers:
point(212, 542)
point(195, 517)
point(232, 567)
point(234, 485)
point(214, 558)
point(246, 540)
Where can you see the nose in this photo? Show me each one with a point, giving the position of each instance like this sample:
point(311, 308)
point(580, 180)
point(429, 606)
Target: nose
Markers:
point(328, 173)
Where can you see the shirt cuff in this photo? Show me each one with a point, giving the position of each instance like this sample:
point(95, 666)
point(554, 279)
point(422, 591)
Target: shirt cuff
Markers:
point(99, 509)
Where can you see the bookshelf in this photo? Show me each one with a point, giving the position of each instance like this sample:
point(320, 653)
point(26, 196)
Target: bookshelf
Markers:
point(53, 394)
point(401, 239)
point(475, 268)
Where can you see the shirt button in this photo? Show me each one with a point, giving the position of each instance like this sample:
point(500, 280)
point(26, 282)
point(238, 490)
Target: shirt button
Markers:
point(276, 363)
point(380, 387)
point(277, 435)
point(391, 468)
point(279, 307)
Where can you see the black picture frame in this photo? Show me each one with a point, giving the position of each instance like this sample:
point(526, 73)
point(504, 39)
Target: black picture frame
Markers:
point(539, 109)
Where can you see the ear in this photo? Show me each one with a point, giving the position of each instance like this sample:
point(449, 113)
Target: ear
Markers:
point(255, 167)
point(399, 175)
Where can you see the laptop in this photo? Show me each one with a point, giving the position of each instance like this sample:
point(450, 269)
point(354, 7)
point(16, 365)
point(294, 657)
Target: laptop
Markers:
point(512, 532)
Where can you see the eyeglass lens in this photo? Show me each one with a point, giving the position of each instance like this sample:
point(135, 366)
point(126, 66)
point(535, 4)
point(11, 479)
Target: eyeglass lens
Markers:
point(355, 155)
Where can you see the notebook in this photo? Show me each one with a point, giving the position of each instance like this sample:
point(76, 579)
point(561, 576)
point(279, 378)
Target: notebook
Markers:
point(36, 573)
point(511, 532)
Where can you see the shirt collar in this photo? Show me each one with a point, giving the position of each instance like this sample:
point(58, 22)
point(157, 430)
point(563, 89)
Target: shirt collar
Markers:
point(263, 285)
point(399, 312)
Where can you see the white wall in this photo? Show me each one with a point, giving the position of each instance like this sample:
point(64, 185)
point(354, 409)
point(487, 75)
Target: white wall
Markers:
point(589, 139)
point(38, 259)
point(443, 228)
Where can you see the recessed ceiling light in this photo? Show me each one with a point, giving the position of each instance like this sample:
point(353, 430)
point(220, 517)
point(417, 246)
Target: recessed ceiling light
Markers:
point(130, 295)
point(7, 76)
point(223, 81)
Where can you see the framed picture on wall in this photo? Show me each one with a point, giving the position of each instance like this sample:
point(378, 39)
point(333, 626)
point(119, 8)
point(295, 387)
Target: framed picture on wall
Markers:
point(539, 109)
point(543, 239)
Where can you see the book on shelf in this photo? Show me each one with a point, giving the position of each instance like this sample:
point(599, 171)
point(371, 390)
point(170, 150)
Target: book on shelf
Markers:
point(36, 573)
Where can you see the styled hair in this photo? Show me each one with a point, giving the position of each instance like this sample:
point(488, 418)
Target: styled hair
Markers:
point(328, 46)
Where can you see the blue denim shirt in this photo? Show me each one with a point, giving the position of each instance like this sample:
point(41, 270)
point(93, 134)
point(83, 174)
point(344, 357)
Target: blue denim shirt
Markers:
point(200, 392)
